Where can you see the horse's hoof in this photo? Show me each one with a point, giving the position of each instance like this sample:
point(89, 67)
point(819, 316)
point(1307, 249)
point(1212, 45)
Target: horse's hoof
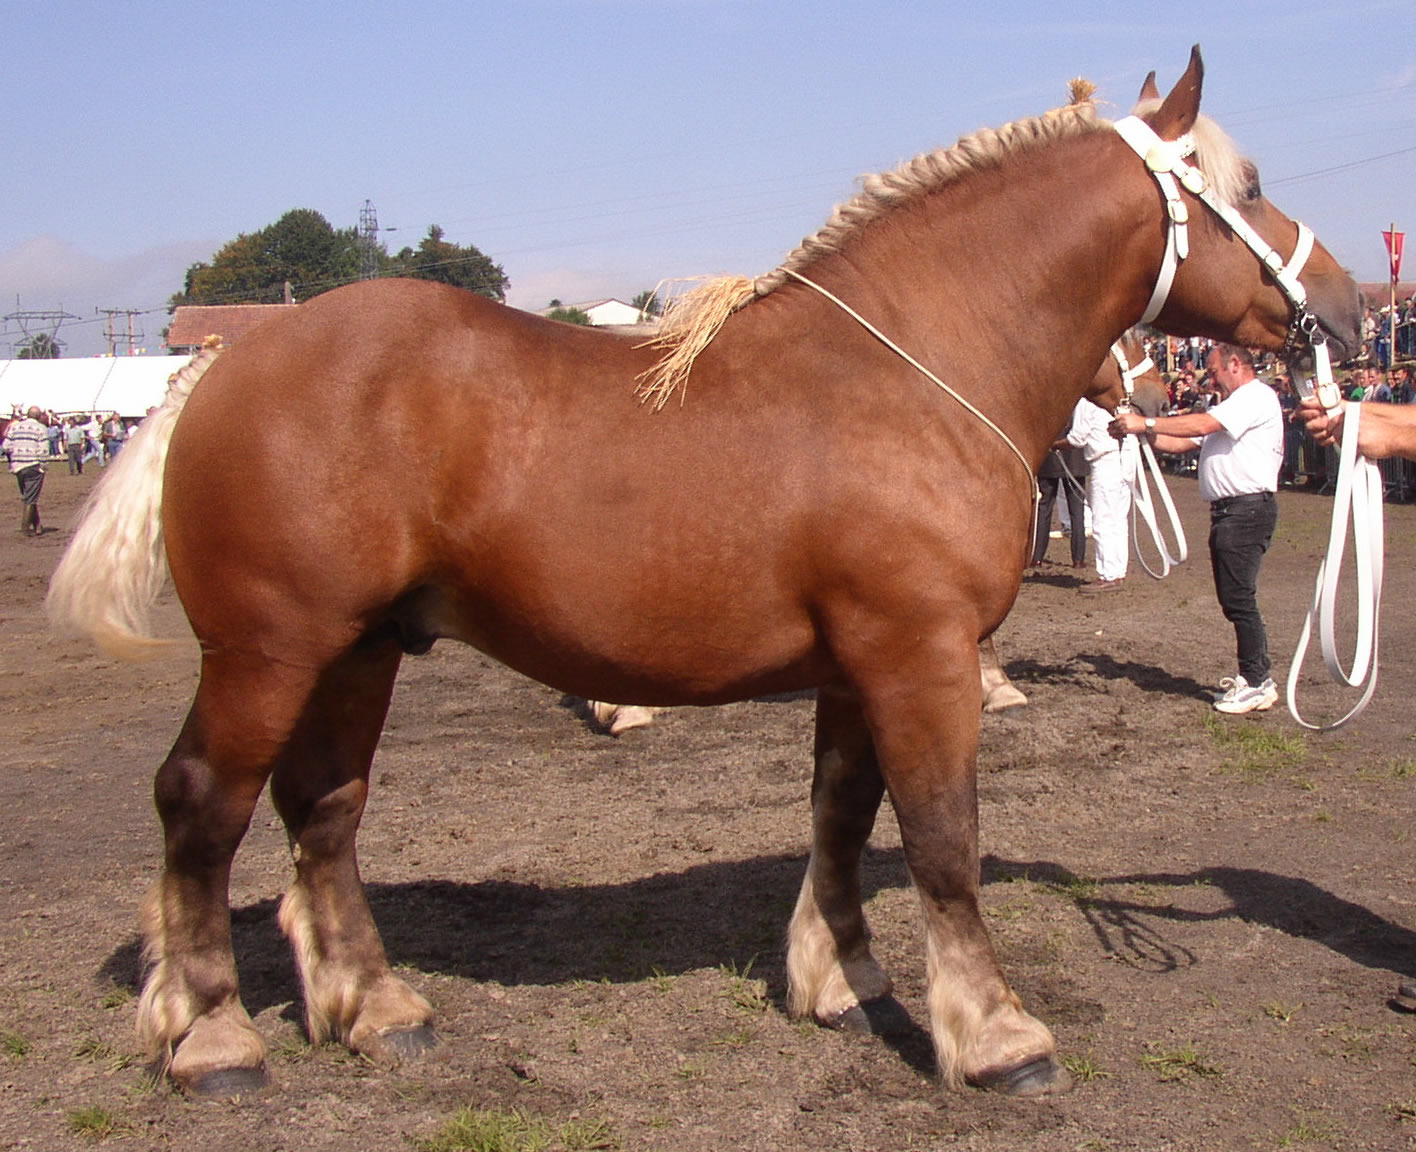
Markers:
point(1003, 697)
point(1041, 1076)
point(227, 1083)
point(1405, 998)
point(408, 1043)
point(884, 1016)
point(630, 716)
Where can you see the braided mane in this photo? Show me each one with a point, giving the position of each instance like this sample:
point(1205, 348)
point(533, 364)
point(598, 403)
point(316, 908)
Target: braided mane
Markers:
point(694, 319)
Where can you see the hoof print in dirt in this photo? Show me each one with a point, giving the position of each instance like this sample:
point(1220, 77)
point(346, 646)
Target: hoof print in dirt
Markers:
point(883, 1017)
point(1043, 1076)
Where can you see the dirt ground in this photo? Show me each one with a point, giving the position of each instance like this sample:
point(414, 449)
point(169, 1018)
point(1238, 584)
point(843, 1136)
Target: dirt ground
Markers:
point(1211, 913)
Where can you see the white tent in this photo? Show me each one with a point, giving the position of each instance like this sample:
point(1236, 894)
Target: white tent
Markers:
point(128, 385)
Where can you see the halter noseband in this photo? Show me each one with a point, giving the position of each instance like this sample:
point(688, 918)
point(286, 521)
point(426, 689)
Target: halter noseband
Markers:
point(1129, 375)
point(1166, 161)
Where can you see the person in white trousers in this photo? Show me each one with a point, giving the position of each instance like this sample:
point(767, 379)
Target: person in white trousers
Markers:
point(1108, 492)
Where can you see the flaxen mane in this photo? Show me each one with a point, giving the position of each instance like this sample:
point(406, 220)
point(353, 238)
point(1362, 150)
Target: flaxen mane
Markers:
point(691, 322)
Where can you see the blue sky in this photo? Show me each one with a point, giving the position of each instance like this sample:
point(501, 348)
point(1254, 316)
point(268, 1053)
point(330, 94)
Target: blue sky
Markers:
point(595, 147)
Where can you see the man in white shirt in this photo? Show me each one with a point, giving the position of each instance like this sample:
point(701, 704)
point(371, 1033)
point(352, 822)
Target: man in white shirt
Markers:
point(1241, 449)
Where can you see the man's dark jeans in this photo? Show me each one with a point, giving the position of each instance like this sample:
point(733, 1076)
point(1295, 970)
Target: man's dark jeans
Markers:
point(1241, 528)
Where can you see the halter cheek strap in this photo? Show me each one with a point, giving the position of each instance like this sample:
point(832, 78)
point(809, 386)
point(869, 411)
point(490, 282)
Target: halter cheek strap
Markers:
point(1167, 161)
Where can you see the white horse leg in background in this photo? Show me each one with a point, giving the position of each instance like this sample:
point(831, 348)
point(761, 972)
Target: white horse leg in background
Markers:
point(999, 694)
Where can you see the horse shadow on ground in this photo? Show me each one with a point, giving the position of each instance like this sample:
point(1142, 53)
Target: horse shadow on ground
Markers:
point(733, 915)
point(1086, 665)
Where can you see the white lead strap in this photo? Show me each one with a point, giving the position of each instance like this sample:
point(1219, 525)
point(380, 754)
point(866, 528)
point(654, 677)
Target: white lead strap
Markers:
point(1359, 499)
point(1144, 508)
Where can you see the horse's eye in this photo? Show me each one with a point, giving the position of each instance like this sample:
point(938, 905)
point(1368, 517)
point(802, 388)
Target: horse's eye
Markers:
point(1252, 189)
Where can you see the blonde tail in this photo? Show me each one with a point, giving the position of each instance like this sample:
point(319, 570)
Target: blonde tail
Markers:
point(115, 566)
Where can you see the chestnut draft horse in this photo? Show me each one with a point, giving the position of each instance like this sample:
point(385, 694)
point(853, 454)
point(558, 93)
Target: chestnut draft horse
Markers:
point(814, 513)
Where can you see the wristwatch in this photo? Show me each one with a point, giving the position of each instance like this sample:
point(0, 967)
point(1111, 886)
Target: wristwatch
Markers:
point(1150, 423)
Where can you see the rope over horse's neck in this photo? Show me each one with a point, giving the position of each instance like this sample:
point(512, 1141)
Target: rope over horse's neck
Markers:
point(929, 375)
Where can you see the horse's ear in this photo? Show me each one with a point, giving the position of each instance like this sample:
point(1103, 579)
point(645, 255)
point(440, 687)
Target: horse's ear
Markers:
point(1177, 114)
point(1148, 89)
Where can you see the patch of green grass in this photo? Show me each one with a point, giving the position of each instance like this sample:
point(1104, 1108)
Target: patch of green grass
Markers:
point(116, 997)
point(490, 1130)
point(95, 1051)
point(1084, 1069)
point(1308, 1129)
point(14, 1045)
point(95, 1123)
point(748, 994)
point(1078, 889)
point(1180, 1064)
point(1254, 752)
point(738, 1038)
point(1403, 769)
point(1278, 1010)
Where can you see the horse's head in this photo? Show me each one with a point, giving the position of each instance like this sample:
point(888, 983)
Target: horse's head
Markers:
point(1251, 275)
point(1128, 374)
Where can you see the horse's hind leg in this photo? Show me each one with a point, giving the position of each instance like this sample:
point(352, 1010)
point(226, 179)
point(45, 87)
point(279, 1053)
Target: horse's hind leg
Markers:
point(831, 974)
point(190, 1013)
point(319, 788)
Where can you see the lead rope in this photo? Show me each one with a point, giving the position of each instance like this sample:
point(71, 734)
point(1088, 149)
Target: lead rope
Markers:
point(1358, 498)
point(1142, 507)
point(915, 364)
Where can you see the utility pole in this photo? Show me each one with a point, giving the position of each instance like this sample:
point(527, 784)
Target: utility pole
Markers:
point(113, 337)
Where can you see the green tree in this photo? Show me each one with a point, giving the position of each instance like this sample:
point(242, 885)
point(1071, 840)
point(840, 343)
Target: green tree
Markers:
point(439, 259)
point(302, 249)
point(41, 346)
point(567, 315)
point(648, 303)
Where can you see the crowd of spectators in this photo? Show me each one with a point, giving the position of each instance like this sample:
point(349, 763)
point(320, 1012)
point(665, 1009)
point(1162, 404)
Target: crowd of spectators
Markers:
point(83, 437)
point(1371, 375)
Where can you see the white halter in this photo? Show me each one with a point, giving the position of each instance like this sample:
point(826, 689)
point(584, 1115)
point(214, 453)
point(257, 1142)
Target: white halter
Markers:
point(1166, 160)
point(1363, 497)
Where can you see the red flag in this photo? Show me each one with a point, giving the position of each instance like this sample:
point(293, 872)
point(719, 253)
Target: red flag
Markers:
point(1394, 241)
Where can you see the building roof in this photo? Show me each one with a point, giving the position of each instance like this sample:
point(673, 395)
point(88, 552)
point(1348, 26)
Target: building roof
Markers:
point(192, 323)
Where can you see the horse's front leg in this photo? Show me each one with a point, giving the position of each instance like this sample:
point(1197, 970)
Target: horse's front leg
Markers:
point(923, 708)
point(831, 974)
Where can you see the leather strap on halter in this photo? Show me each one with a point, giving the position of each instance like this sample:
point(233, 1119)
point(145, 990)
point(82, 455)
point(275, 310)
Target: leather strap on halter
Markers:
point(1166, 161)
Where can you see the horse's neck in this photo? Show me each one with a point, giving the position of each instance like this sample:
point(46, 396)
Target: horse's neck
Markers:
point(1017, 316)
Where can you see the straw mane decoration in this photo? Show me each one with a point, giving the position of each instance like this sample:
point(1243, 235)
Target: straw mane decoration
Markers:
point(694, 319)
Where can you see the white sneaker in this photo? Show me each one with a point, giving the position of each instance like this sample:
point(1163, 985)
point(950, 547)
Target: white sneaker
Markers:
point(1239, 696)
